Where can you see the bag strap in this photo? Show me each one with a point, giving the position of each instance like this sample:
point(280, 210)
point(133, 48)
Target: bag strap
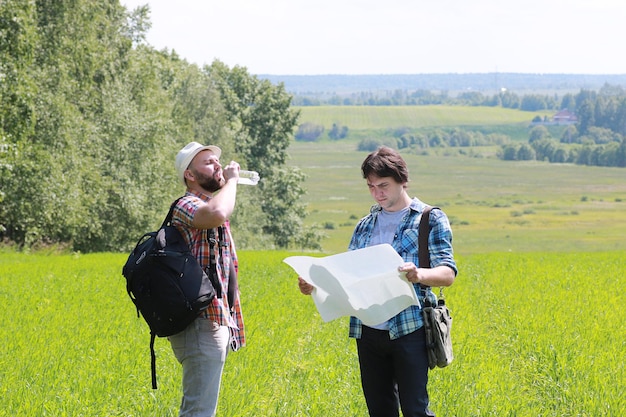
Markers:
point(153, 361)
point(170, 214)
point(212, 273)
point(232, 279)
point(422, 242)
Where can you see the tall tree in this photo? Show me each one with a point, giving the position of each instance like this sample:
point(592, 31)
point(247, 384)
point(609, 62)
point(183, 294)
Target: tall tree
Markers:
point(586, 116)
point(263, 123)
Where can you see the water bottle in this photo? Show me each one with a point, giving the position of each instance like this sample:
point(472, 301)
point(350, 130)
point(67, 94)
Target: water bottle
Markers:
point(248, 177)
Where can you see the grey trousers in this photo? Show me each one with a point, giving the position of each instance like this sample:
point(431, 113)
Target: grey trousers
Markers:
point(201, 349)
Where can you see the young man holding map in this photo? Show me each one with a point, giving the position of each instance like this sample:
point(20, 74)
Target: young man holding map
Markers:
point(392, 355)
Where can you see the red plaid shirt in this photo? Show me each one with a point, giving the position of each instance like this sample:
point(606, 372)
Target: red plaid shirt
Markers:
point(227, 264)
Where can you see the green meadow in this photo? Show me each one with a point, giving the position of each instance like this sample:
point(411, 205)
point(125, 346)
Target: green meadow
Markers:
point(537, 306)
point(376, 117)
point(535, 334)
point(375, 121)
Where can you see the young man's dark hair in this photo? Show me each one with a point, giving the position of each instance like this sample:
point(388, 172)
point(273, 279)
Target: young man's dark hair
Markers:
point(385, 162)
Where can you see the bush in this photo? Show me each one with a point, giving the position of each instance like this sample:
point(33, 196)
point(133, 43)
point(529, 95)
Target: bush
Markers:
point(309, 132)
point(338, 132)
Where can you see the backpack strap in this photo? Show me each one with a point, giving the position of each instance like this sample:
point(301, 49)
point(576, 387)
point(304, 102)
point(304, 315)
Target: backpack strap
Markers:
point(153, 361)
point(170, 214)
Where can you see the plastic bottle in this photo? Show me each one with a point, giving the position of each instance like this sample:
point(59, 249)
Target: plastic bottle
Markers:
point(248, 177)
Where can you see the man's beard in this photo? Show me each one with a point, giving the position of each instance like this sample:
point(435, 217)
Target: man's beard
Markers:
point(211, 184)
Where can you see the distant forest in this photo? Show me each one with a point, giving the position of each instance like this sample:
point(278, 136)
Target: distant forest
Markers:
point(452, 84)
point(530, 92)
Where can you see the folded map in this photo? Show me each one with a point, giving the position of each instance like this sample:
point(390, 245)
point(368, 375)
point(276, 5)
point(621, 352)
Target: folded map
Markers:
point(364, 283)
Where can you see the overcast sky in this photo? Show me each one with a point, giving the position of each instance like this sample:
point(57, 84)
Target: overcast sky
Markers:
point(309, 37)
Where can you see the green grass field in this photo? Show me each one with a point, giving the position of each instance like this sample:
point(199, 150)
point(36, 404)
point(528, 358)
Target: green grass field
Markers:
point(382, 117)
point(365, 122)
point(537, 306)
point(534, 335)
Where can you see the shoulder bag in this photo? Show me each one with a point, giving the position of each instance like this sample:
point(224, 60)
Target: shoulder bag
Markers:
point(437, 318)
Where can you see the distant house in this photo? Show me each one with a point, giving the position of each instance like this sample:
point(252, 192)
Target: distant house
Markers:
point(564, 117)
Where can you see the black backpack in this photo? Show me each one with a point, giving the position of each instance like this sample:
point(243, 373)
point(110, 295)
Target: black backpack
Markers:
point(166, 283)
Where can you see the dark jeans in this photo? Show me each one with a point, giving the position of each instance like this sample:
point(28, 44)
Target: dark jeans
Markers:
point(394, 373)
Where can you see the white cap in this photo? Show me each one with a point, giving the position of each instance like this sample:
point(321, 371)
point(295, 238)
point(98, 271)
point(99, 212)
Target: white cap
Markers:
point(186, 155)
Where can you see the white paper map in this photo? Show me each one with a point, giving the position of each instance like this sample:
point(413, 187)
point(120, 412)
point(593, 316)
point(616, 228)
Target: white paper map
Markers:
point(364, 283)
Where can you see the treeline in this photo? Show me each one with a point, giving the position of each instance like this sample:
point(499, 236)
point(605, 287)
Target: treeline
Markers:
point(91, 118)
point(599, 137)
point(404, 138)
point(505, 99)
point(325, 86)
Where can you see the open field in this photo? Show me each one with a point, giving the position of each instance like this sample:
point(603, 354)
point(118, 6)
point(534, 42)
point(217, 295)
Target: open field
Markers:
point(376, 121)
point(534, 335)
point(493, 205)
point(537, 306)
point(377, 117)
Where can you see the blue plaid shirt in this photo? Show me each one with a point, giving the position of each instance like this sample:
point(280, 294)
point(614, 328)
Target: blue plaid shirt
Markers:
point(405, 242)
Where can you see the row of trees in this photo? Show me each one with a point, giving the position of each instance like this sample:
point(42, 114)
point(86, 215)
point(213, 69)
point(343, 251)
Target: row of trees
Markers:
point(506, 99)
point(403, 138)
point(608, 155)
point(91, 118)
